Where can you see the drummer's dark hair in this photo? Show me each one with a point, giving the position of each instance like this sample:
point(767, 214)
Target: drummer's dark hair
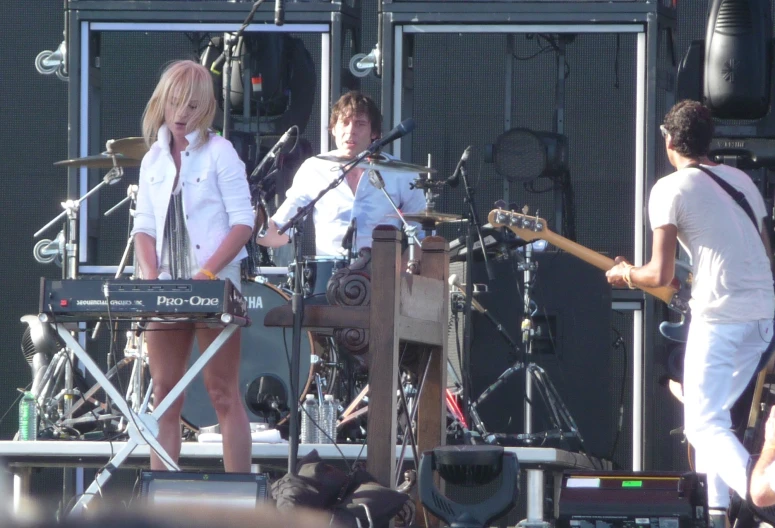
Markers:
point(353, 103)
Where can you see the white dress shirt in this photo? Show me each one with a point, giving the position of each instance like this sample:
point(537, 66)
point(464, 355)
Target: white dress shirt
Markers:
point(215, 190)
point(333, 213)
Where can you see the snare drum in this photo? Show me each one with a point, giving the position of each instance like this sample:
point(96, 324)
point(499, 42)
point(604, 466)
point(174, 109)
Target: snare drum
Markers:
point(264, 375)
point(318, 271)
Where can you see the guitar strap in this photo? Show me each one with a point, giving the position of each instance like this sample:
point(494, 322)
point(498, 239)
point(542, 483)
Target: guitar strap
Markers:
point(736, 195)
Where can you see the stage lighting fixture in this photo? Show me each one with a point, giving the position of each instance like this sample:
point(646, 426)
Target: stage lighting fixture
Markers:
point(39, 344)
point(523, 155)
point(730, 71)
point(282, 79)
point(472, 467)
point(232, 491)
point(738, 58)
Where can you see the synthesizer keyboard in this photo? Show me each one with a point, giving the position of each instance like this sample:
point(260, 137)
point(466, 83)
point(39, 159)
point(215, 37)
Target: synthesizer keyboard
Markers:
point(121, 299)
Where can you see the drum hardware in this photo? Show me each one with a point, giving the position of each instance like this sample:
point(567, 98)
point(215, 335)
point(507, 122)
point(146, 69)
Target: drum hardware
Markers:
point(68, 240)
point(126, 152)
point(74, 391)
point(297, 299)
point(563, 424)
point(413, 267)
point(264, 376)
point(378, 162)
point(318, 270)
point(473, 233)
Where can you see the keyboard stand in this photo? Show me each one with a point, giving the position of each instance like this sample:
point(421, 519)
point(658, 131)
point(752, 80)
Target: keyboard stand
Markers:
point(142, 427)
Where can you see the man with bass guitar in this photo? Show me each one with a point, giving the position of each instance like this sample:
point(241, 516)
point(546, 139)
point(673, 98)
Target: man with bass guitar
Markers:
point(717, 215)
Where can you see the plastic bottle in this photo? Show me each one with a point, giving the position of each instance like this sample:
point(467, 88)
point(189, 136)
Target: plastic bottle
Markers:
point(328, 419)
point(28, 417)
point(309, 417)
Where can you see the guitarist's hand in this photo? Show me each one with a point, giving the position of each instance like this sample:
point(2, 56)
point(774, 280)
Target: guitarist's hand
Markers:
point(616, 274)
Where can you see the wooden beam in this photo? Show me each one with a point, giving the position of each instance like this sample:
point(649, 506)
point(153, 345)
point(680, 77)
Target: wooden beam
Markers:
point(323, 317)
point(383, 348)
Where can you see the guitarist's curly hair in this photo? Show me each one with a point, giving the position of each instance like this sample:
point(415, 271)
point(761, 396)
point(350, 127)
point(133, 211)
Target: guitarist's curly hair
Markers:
point(690, 125)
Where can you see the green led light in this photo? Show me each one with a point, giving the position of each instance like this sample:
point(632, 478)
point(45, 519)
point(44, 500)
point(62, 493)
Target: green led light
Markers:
point(632, 483)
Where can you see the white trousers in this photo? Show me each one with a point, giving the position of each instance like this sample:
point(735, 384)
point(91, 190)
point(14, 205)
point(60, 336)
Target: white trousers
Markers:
point(720, 361)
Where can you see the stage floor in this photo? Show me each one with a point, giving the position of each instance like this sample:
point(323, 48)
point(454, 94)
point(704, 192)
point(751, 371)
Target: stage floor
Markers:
point(22, 457)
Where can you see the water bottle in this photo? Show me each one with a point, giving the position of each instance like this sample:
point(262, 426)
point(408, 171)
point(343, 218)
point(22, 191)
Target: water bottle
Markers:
point(28, 417)
point(328, 420)
point(309, 417)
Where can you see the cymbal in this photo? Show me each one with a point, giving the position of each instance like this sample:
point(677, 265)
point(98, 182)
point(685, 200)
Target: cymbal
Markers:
point(380, 162)
point(131, 147)
point(430, 217)
point(100, 161)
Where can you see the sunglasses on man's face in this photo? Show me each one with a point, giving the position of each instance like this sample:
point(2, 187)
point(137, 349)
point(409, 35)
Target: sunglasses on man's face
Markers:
point(664, 131)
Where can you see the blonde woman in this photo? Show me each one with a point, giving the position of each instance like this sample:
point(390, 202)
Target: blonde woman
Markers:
point(192, 222)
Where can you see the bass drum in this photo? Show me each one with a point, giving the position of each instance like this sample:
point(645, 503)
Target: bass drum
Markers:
point(264, 366)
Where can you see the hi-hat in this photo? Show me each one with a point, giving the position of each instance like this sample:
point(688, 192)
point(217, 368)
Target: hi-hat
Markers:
point(429, 217)
point(380, 162)
point(100, 161)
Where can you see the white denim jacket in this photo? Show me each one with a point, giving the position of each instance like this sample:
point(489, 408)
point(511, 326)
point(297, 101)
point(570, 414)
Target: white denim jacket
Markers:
point(215, 190)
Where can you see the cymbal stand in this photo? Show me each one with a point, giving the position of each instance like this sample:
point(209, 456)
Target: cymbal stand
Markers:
point(413, 267)
point(474, 230)
point(70, 258)
point(137, 396)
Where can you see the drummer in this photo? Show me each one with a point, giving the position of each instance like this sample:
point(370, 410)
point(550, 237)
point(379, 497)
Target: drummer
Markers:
point(355, 123)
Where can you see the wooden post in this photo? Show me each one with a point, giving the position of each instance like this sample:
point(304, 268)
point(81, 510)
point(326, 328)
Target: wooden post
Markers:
point(383, 347)
point(432, 414)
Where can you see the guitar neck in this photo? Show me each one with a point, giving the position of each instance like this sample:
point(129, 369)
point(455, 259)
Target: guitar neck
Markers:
point(664, 293)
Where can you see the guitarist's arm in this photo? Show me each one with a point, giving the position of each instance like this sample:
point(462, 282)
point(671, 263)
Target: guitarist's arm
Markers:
point(659, 271)
point(762, 493)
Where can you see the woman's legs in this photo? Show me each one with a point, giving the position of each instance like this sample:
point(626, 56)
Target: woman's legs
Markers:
point(169, 346)
point(221, 378)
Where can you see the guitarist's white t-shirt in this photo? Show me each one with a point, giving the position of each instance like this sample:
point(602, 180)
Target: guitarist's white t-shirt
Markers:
point(732, 281)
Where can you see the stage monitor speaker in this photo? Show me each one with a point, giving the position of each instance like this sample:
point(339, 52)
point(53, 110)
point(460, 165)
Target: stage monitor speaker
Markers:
point(617, 499)
point(218, 490)
point(572, 318)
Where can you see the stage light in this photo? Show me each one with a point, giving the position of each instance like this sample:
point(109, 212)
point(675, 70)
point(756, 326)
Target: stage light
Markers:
point(738, 58)
point(39, 344)
point(472, 467)
point(523, 155)
point(222, 490)
point(730, 71)
point(282, 79)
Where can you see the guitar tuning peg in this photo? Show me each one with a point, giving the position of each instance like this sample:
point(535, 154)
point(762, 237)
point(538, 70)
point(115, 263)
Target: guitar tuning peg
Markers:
point(525, 209)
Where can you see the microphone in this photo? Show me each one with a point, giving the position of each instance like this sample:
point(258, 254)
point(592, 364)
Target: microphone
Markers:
point(272, 154)
point(279, 13)
point(403, 128)
point(454, 281)
point(455, 178)
point(349, 236)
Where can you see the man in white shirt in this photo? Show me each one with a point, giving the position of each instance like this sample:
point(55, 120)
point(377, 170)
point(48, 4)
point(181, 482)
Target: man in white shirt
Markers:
point(732, 301)
point(355, 123)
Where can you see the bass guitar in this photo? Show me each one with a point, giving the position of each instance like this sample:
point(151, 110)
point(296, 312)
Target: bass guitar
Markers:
point(676, 295)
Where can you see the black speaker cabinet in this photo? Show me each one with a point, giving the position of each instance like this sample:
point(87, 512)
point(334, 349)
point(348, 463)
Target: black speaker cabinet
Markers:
point(571, 313)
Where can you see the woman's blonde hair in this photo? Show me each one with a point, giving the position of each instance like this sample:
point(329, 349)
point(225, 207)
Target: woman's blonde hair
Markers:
point(184, 81)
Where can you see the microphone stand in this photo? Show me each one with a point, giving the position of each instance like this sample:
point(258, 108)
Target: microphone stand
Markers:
point(297, 306)
point(474, 228)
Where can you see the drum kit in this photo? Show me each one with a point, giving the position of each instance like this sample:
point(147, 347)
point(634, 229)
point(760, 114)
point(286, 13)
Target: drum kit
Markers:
point(264, 362)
